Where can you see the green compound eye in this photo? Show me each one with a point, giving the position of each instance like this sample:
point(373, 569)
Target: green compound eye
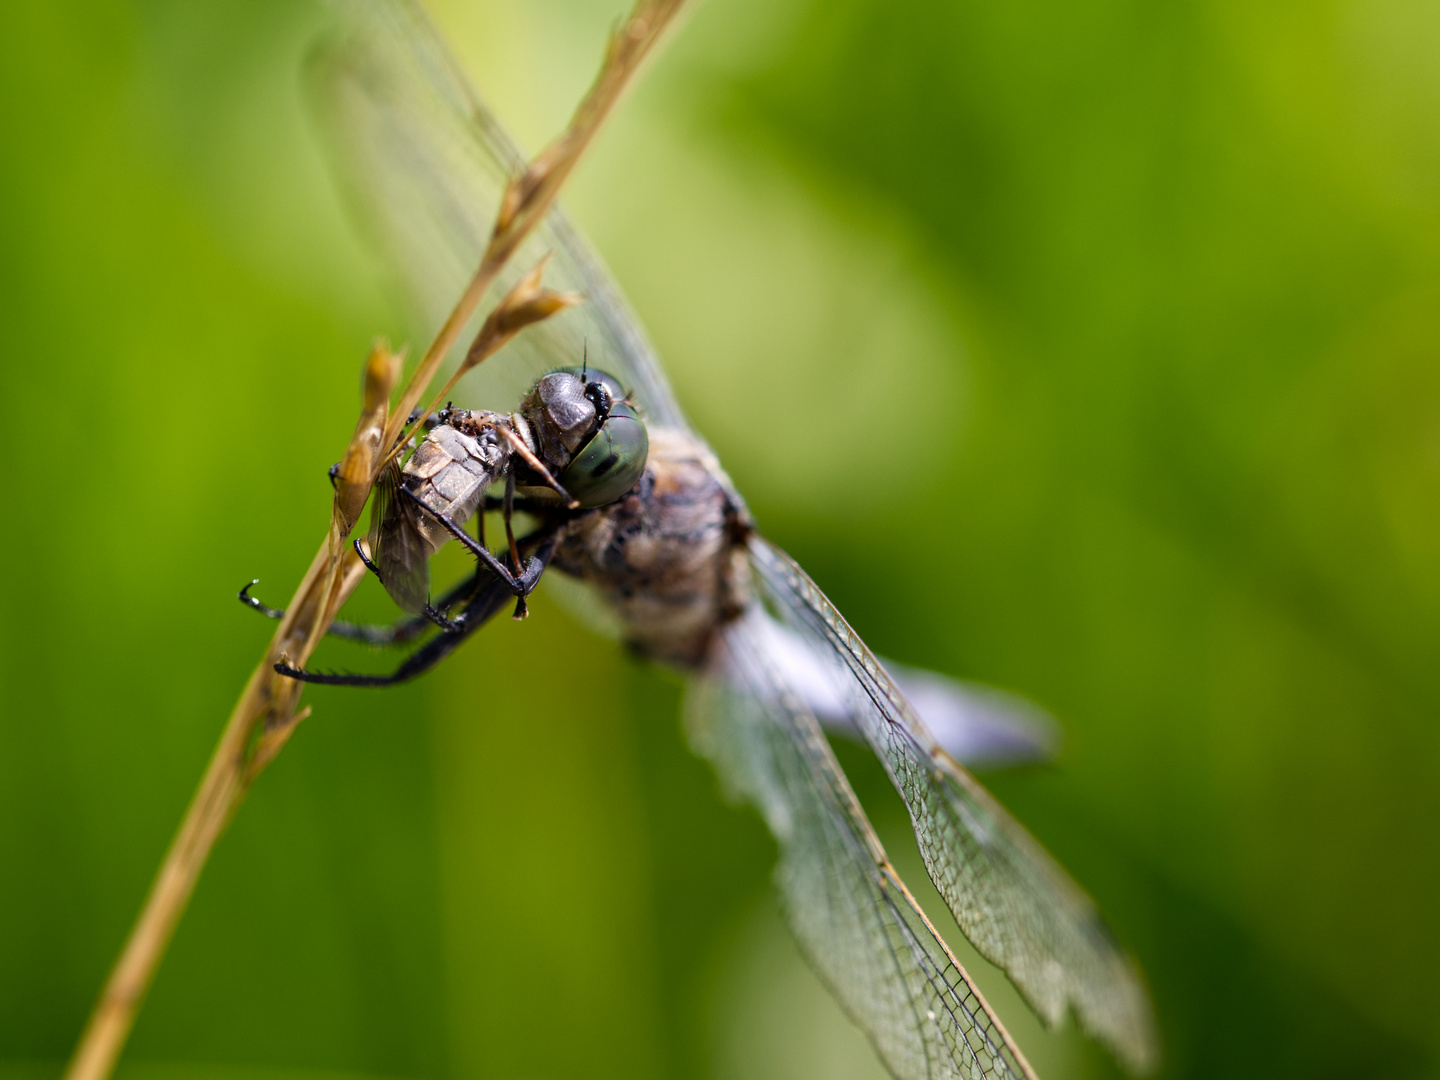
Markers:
point(609, 465)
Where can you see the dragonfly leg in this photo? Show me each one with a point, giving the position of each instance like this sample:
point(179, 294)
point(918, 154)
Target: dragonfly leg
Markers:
point(480, 610)
point(365, 558)
point(487, 600)
point(430, 613)
point(397, 633)
point(508, 513)
point(522, 609)
point(520, 586)
point(255, 604)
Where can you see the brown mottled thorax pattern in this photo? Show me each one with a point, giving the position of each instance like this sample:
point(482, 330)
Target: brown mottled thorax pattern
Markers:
point(669, 558)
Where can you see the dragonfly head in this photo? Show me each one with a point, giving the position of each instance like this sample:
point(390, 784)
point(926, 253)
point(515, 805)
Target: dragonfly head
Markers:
point(589, 434)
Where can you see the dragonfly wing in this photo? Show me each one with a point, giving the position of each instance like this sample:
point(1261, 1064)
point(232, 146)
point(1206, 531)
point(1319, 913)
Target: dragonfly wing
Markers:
point(396, 546)
point(422, 163)
point(1010, 898)
point(860, 927)
point(977, 725)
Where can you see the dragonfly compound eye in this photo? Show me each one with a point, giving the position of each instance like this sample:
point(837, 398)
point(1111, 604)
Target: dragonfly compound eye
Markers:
point(595, 378)
point(611, 463)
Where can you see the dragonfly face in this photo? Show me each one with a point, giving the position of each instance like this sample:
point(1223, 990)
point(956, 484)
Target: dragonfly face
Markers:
point(664, 539)
point(587, 433)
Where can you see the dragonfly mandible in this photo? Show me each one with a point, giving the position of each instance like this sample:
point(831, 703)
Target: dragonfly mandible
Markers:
point(674, 554)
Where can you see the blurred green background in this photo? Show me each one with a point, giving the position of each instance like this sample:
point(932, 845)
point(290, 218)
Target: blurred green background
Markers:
point(1115, 324)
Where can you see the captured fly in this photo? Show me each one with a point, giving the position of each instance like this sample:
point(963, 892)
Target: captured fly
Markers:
point(574, 440)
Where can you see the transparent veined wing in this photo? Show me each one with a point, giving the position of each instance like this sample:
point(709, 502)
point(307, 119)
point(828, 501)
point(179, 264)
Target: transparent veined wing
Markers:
point(396, 545)
point(1011, 900)
point(858, 924)
point(981, 726)
point(422, 163)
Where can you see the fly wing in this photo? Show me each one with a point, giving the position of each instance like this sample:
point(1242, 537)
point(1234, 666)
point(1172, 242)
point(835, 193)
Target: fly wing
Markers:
point(1010, 898)
point(396, 546)
point(422, 163)
point(859, 925)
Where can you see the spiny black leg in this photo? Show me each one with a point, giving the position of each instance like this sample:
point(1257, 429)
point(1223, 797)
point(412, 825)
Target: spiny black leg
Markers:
point(439, 618)
point(508, 513)
point(429, 614)
point(528, 580)
point(397, 633)
point(250, 602)
point(522, 609)
point(435, 613)
point(488, 600)
point(479, 611)
point(360, 550)
point(518, 586)
point(465, 591)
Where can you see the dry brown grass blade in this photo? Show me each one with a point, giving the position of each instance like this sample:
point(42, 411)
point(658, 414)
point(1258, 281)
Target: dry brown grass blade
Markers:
point(265, 715)
point(356, 471)
point(266, 705)
point(525, 304)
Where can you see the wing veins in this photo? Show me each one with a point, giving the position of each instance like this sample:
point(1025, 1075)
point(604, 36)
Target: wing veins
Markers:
point(1010, 898)
point(970, 1037)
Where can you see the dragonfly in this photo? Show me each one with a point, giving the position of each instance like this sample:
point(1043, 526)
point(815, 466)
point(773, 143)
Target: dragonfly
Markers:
point(677, 561)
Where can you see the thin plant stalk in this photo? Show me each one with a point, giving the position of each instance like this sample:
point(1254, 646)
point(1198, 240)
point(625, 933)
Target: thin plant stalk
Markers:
point(266, 714)
point(529, 196)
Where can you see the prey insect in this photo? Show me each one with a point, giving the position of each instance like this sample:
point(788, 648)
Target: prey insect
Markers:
point(630, 501)
point(576, 425)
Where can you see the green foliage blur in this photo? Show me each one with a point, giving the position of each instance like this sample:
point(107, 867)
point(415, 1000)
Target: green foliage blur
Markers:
point(1091, 349)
